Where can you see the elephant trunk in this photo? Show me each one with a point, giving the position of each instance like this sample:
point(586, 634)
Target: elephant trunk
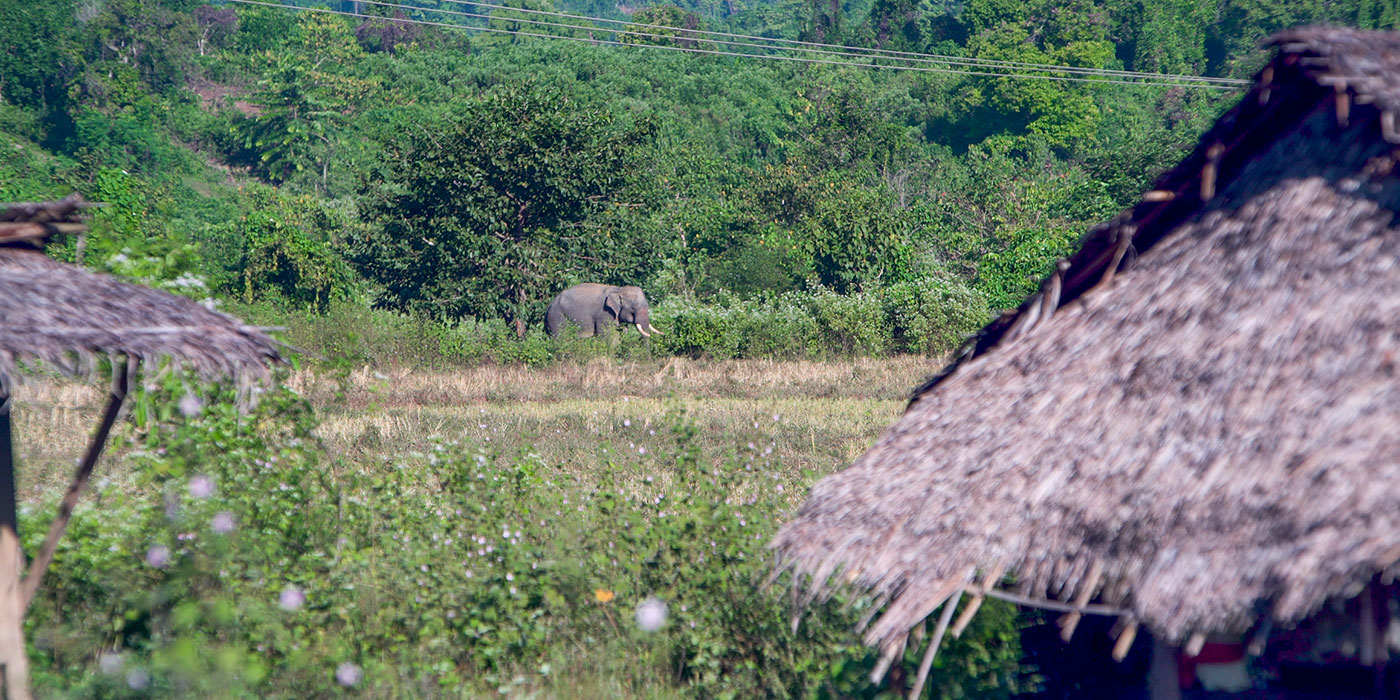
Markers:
point(643, 322)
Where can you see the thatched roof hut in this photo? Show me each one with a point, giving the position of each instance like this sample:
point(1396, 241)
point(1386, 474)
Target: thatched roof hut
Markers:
point(1195, 425)
point(69, 318)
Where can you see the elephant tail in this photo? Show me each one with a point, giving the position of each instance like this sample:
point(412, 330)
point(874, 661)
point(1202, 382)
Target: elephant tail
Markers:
point(554, 318)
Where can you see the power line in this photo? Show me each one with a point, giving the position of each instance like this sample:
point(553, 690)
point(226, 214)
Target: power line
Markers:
point(905, 55)
point(682, 49)
point(951, 61)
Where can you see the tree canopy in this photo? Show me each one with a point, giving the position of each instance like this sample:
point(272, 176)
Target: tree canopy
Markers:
point(484, 215)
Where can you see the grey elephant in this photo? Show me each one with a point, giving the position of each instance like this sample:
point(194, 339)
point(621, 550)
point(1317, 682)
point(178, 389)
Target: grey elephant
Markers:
point(597, 308)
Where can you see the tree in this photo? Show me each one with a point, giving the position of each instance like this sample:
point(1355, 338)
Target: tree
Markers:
point(489, 215)
point(825, 22)
point(647, 20)
point(154, 38)
point(305, 96)
point(389, 35)
point(35, 60)
point(217, 25)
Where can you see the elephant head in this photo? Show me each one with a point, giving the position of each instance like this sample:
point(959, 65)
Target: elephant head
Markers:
point(629, 305)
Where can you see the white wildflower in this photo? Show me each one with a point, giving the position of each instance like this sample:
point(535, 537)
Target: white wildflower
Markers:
point(111, 664)
point(347, 674)
point(191, 406)
point(201, 486)
point(138, 679)
point(651, 614)
point(158, 556)
point(291, 598)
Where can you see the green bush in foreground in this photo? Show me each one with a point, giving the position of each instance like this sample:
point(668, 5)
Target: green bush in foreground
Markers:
point(238, 562)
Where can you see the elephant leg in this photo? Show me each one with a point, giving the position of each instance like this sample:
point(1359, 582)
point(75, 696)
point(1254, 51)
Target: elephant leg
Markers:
point(604, 325)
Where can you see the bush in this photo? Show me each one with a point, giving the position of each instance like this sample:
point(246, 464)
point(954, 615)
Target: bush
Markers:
point(175, 581)
point(854, 324)
point(239, 562)
point(348, 331)
point(929, 316)
point(934, 314)
point(781, 327)
point(695, 329)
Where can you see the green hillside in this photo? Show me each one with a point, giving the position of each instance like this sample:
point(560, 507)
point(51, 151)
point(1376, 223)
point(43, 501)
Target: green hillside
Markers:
point(264, 157)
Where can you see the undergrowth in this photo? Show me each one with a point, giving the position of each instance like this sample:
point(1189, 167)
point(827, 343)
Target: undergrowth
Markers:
point(237, 558)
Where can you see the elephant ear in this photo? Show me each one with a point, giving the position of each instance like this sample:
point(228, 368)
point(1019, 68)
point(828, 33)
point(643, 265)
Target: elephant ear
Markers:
point(613, 303)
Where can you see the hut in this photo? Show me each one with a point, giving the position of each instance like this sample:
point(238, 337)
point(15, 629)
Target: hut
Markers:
point(1194, 426)
point(73, 320)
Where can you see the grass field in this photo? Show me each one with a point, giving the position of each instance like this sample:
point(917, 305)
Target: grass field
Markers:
point(814, 417)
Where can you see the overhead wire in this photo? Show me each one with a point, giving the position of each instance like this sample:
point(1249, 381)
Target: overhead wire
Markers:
point(905, 55)
point(683, 49)
point(923, 58)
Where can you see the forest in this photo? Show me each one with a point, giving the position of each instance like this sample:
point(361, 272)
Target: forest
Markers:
point(403, 187)
point(305, 165)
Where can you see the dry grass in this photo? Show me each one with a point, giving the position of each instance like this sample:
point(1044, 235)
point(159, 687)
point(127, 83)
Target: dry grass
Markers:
point(813, 417)
point(862, 378)
point(53, 422)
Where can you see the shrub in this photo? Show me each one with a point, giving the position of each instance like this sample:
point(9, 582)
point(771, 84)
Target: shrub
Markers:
point(238, 561)
point(471, 340)
point(781, 327)
point(854, 324)
point(933, 315)
point(176, 579)
point(929, 316)
point(696, 329)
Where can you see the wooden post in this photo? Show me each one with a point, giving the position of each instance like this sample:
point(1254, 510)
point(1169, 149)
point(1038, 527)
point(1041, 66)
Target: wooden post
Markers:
point(7, 467)
point(1366, 619)
point(1375, 621)
point(1162, 679)
point(13, 656)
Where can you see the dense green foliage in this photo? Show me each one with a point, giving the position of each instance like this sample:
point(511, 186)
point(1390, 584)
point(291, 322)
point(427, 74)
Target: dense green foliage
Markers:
point(505, 202)
point(296, 161)
point(415, 193)
point(241, 561)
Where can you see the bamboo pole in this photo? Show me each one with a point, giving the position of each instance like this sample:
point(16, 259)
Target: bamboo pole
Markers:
point(1125, 640)
point(7, 467)
point(937, 641)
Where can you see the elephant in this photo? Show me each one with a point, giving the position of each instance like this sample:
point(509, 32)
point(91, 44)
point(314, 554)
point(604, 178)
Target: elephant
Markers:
point(599, 307)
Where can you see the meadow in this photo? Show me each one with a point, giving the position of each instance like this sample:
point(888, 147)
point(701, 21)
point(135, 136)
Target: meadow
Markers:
point(466, 532)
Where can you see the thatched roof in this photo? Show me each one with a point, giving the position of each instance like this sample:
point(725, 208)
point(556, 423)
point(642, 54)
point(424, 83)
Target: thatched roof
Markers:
point(1200, 440)
point(68, 316)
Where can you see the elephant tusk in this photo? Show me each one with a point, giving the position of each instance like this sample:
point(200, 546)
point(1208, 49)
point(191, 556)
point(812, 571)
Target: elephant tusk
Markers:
point(643, 331)
point(653, 329)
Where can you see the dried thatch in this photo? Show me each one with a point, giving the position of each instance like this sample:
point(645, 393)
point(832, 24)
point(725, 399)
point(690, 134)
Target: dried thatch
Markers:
point(1197, 441)
point(67, 316)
